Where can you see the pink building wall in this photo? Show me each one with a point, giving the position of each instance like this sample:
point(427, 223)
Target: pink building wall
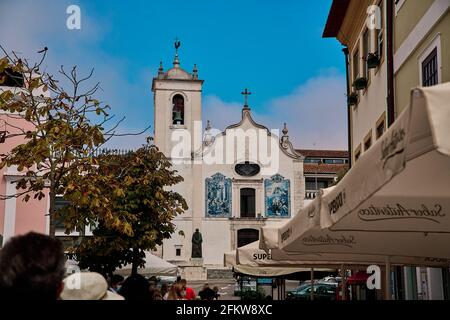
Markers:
point(17, 216)
point(31, 215)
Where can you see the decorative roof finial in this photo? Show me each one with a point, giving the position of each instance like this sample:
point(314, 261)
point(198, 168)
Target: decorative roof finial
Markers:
point(285, 130)
point(195, 73)
point(160, 70)
point(176, 62)
point(208, 137)
point(285, 138)
point(246, 93)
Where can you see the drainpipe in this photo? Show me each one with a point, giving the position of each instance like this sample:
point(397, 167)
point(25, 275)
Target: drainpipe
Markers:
point(349, 138)
point(390, 61)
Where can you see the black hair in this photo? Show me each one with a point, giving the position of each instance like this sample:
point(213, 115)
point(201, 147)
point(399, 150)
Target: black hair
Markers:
point(135, 287)
point(116, 278)
point(32, 266)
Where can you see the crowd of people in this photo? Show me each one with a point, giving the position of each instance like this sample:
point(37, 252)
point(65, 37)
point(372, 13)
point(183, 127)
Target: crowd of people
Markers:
point(32, 266)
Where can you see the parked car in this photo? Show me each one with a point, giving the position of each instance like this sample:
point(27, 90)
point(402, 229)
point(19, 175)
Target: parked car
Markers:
point(322, 291)
point(332, 280)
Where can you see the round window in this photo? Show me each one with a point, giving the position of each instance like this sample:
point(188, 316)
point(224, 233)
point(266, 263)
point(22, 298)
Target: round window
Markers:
point(247, 169)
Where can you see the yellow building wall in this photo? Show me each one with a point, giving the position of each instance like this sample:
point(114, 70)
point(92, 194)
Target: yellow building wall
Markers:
point(408, 76)
point(410, 13)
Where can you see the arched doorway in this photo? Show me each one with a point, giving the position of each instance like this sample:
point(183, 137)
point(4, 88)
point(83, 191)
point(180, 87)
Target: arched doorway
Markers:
point(247, 236)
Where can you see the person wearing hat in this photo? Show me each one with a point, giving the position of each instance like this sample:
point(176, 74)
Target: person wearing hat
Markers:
point(87, 286)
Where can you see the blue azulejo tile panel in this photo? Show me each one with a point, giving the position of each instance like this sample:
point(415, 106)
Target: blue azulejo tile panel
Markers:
point(277, 197)
point(218, 196)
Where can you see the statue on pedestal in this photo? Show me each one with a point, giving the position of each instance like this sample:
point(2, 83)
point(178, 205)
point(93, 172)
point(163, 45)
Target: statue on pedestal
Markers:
point(197, 244)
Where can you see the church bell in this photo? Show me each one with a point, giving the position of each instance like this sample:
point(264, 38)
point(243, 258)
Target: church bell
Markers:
point(177, 119)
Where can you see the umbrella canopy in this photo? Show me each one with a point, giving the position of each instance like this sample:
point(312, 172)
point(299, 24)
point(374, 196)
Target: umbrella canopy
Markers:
point(402, 184)
point(394, 202)
point(259, 271)
point(154, 266)
point(252, 255)
point(332, 259)
point(229, 259)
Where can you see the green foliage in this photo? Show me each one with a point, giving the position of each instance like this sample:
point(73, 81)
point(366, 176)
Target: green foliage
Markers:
point(127, 197)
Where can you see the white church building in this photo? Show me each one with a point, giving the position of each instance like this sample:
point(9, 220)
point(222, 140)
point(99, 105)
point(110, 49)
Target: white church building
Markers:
point(235, 181)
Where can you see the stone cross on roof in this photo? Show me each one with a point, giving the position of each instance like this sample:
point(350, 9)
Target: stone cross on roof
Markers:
point(246, 93)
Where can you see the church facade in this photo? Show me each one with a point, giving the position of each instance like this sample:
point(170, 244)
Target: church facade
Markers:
point(235, 181)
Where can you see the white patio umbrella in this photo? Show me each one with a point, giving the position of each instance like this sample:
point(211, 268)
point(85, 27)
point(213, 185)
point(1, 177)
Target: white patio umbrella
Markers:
point(260, 271)
point(395, 201)
point(252, 255)
point(402, 184)
point(310, 257)
point(154, 266)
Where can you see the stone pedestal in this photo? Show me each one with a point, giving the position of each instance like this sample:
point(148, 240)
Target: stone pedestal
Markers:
point(196, 262)
point(194, 270)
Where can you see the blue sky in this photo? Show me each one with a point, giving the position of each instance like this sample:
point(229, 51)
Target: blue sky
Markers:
point(274, 48)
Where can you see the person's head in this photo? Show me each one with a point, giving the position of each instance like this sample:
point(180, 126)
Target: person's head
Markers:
point(216, 289)
point(156, 295)
point(175, 292)
point(183, 283)
point(164, 289)
point(32, 266)
point(206, 286)
point(196, 230)
point(135, 287)
point(116, 281)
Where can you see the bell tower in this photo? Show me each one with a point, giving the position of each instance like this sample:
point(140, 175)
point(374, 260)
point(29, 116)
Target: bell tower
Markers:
point(177, 108)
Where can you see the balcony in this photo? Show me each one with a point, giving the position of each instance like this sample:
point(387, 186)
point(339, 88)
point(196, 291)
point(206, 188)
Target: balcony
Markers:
point(311, 194)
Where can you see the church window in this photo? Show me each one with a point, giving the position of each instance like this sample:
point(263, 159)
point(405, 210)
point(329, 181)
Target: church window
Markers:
point(178, 109)
point(247, 236)
point(178, 252)
point(248, 203)
point(247, 169)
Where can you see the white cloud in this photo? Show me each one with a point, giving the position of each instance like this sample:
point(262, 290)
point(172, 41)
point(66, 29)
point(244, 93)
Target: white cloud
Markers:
point(315, 113)
point(220, 113)
point(27, 26)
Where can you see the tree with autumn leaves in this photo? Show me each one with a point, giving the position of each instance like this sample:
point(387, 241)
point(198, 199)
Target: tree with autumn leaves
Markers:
point(60, 129)
point(125, 197)
point(129, 200)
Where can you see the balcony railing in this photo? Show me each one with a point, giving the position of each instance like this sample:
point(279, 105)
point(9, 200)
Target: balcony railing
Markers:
point(311, 194)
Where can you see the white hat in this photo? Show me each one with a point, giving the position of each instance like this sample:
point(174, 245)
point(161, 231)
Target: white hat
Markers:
point(87, 286)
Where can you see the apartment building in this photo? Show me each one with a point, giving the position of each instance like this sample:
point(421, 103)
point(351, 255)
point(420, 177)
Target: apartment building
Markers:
point(390, 47)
